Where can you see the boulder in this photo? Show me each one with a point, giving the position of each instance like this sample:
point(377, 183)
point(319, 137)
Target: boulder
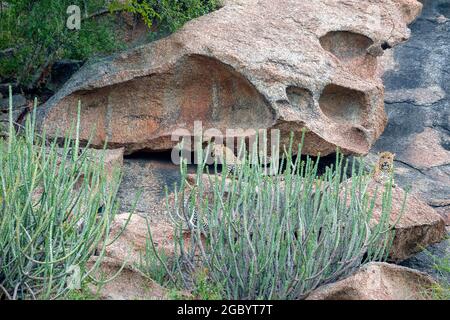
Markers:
point(378, 281)
point(112, 159)
point(132, 241)
point(266, 64)
point(416, 228)
point(433, 260)
point(417, 82)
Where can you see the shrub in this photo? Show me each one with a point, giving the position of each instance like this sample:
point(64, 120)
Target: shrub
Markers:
point(276, 237)
point(37, 32)
point(168, 15)
point(441, 291)
point(56, 207)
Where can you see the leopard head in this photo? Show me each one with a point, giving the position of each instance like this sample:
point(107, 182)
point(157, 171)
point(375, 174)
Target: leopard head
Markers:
point(386, 161)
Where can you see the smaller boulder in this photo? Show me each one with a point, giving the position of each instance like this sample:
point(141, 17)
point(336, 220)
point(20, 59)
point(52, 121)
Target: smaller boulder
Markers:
point(418, 227)
point(132, 241)
point(378, 281)
point(4, 121)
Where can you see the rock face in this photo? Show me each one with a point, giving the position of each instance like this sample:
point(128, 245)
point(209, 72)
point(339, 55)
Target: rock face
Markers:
point(378, 281)
point(417, 80)
point(418, 227)
point(17, 101)
point(132, 242)
point(265, 64)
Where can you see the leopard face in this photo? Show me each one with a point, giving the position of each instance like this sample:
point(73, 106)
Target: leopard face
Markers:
point(386, 161)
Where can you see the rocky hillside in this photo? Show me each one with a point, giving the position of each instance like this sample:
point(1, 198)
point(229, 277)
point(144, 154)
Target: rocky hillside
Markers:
point(348, 74)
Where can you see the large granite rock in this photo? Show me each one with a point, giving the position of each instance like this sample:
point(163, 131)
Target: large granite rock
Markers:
point(378, 281)
point(416, 225)
point(284, 64)
point(417, 80)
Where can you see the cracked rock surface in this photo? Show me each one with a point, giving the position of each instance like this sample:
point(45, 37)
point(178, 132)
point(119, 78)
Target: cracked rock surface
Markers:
point(265, 64)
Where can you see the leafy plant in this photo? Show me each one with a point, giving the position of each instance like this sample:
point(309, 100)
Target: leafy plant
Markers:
point(169, 15)
point(83, 293)
point(36, 31)
point(204, 288)
point(56, 208)
point(276, 237)
point(441, 291)
point(152, 262)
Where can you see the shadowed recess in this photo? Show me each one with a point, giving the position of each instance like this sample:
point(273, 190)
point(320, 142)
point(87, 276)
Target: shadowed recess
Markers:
point(300, 98)
point(343, 105)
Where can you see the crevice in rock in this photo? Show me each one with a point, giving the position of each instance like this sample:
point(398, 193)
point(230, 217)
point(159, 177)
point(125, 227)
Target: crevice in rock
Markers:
point(410, 166)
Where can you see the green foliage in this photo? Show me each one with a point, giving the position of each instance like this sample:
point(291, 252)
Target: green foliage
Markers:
point(166, 14)
point(153, 263)
point(84, 293)
point(276, 237)
point(204, 288)
point(37, 31)
point(56, 208)
point(441, 291)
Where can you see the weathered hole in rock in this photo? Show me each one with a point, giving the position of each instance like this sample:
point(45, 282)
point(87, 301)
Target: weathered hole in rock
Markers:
point(343, 105)
point(300, 98)
point(351, 49)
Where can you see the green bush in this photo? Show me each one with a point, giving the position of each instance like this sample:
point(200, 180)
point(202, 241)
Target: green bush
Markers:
point(168, 15)
point(276, 237)
point(442, 266)
point(56, 207)
point(37, 31)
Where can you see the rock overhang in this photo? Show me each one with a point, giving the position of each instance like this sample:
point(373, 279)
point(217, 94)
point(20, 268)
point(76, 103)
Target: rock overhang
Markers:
point(284, 65)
